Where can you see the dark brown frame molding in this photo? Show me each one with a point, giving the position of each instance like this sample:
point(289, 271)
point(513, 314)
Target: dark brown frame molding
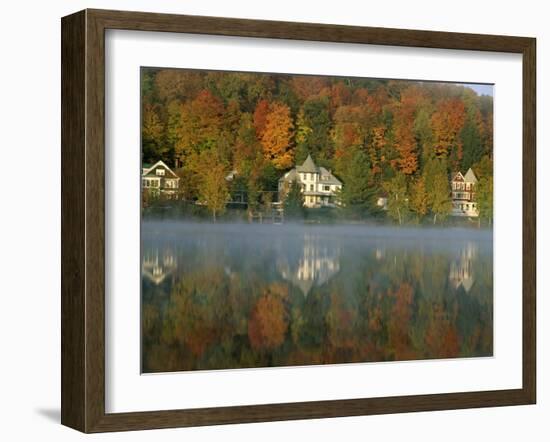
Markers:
point(83, 218)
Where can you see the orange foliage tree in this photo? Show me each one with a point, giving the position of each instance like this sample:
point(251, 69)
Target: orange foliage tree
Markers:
point(306, 86)
point(447, 122)
point(404, 131)
point(260, 117)
point(376, 147)
point(277, 135)
point(268, 321)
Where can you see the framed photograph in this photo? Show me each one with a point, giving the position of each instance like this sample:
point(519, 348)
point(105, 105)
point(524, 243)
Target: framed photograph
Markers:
point(269, 220)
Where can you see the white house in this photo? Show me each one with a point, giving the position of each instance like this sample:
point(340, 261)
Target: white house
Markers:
point(319, 186)
point(463, 189)
point(159, 179)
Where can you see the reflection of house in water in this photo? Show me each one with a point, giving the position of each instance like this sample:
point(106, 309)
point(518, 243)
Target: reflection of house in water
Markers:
point(318, 261)
point(379, 253)
point(157, 264)
point(462, 268)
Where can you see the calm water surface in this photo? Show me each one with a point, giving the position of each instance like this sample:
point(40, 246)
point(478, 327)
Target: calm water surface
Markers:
point(235, 296)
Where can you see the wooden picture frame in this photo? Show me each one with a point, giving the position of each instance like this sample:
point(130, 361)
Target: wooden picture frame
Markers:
point(83, 220)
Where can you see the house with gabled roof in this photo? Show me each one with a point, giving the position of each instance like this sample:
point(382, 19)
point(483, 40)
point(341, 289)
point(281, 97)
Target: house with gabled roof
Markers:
point(159, 179)
point(319, 186)
point(463, 188)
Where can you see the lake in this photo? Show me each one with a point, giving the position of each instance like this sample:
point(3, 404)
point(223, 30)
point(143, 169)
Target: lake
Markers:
point(223, 296)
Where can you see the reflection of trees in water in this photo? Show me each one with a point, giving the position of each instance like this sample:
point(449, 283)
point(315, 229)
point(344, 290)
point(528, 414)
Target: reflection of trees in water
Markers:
point(314, 264)
point(238, 303)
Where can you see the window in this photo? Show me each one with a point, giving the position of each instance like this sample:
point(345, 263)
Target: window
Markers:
point(326, 188)
point(145, 182)
point(311, 187)
point(160, 172)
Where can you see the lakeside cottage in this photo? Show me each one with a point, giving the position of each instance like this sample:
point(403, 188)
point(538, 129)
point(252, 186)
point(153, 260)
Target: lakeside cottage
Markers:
point(463, 189)
point(159, 179)
point(319, 186)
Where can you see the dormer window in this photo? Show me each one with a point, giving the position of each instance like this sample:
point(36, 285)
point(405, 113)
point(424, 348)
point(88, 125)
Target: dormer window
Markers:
point(160, 172)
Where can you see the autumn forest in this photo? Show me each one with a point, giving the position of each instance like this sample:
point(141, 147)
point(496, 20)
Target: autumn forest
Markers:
point(393, 138)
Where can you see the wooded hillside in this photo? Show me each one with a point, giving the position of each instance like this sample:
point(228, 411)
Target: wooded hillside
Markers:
point(400, 139)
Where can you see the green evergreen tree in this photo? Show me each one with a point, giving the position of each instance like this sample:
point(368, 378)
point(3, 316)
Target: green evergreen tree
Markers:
point(294, 202)
point(484, 199)
point(357, 195)
point(313, 130)
point(472, 146)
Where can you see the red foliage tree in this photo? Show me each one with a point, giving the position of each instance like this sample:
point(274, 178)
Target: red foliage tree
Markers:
point(277, 135)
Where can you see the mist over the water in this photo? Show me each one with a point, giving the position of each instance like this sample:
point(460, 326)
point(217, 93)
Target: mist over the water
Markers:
point(349, 234)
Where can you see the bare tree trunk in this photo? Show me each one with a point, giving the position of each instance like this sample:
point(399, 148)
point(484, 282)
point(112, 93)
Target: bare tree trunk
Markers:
point(214, 215)
point(435, 218)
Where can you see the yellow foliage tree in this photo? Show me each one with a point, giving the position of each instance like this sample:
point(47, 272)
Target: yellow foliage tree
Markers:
point(419, 197)
point(213, 185)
